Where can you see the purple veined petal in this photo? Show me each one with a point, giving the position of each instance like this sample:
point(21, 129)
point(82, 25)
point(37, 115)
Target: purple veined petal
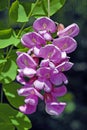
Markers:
point(44, 72)
point(32, 100)
point(59, 91)
point(72, 31)
point(28, 109)
point(56, 78)
point(29, 91)
point(29, 72)
point(50, 52)
point(44, 23)
point(44, 63)
point(66, 43)
point(47, 86)
point(55, 108)
point(39, 84)
point(64, 66)
point(25, 60)
point(32, 39)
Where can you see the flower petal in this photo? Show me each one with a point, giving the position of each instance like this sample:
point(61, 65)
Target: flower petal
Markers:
point(50, 52)
point(65, 43)
point(72, 31)
point(28, 109)
point(44, 23)
point(64, 66)
point(55, 108)
point(32, 39)
point(47, 86)
point(29, 72)
point(39, 84)
point(59, 91)
point(25, 60)
point(32, 100)
point(44, 72)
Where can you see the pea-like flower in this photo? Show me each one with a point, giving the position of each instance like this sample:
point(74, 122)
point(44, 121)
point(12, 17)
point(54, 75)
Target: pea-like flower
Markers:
point(41, 68)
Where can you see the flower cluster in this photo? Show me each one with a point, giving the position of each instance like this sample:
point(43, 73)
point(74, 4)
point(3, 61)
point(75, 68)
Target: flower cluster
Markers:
point(41, 69)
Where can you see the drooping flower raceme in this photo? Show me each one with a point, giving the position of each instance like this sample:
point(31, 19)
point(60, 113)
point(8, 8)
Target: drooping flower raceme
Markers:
point(41, 69)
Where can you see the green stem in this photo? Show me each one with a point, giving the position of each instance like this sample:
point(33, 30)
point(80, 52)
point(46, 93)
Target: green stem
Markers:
point(29, 15)
point(49, 8)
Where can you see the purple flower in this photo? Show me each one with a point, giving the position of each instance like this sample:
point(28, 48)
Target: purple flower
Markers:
point(50, 52)
point(41, 68)
point(32, 39)
point(24, 60)
point(45, 27)
point(55, 108)
point(27, 91)
point(31, 100)
point(58, 79)
point(44, 23)
point(43, 84)
point(65, 43)
point(28, 109)
point(72, 31)
point(64, 66)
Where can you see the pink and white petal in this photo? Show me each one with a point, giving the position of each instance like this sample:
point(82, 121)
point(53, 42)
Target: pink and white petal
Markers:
point(29, 72)
point(47, 86)
point(28, 109)
point(55, 108)
point(32, 100)
point(39, 84)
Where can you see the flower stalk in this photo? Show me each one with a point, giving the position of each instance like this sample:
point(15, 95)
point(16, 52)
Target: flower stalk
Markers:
point(49, 8)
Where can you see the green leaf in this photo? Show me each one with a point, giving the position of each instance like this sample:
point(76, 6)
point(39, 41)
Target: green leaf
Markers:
point(11, 119)
point(9, 41)
point(27, 6)
point(9, 72)
point(3, 4)
point(2, 61)
point(13, 12)
point(56, 5)
point(42, 7)
point(17, 13)
point(10, 91)
point(5, 33)
point(22, 17)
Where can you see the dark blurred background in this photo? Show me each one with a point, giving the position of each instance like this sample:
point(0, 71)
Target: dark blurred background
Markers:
point(75, 115)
